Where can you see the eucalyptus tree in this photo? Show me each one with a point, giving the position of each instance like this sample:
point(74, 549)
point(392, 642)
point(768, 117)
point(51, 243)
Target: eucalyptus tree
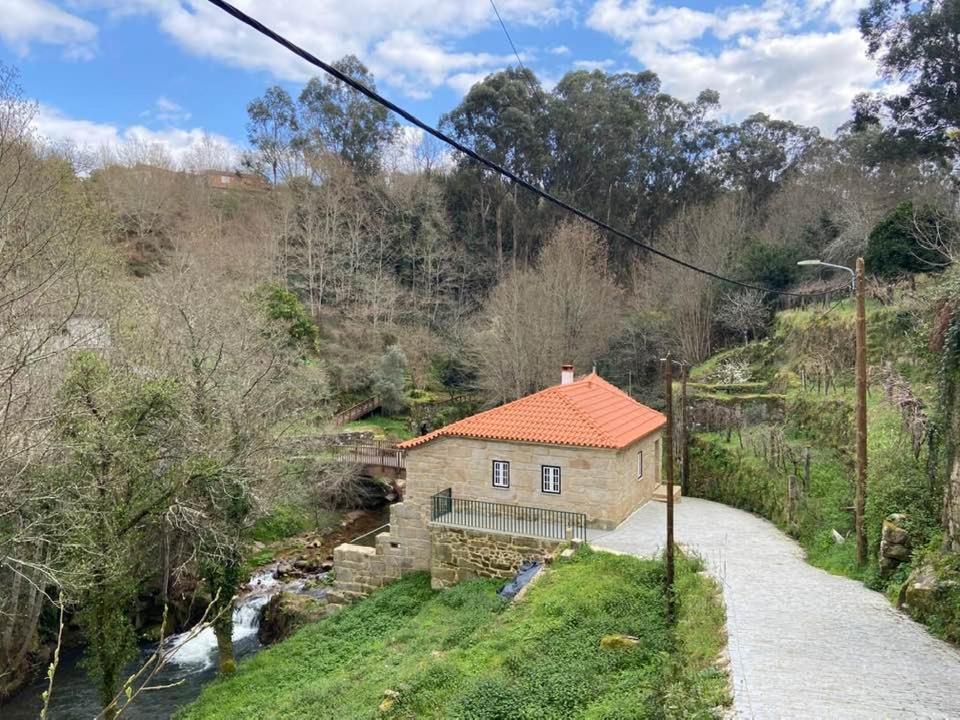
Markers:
point(504, 118)
point(272, 129)
point(918, 44)
point(336, 119)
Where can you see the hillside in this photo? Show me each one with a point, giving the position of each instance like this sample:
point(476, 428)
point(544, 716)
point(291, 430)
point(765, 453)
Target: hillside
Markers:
point(410, 652)
point(783, 407)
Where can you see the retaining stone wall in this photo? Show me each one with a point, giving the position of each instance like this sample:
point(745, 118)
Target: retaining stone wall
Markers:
point(458, 554)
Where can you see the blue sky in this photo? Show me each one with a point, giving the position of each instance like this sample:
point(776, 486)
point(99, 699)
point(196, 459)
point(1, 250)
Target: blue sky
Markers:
point(173, 71)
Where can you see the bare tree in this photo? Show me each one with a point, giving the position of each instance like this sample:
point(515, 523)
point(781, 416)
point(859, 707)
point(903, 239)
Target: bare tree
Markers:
point(565, 310)
point(49, 267)
point(744, 312)
point(708, 236)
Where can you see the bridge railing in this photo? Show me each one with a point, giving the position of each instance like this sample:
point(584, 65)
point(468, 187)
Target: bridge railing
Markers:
point(370, 454)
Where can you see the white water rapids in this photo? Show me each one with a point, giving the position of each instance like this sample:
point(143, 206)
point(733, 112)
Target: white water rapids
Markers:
point(200, 651)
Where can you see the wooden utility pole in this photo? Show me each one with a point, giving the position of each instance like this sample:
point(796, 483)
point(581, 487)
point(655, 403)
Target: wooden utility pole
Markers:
point(668, 452)
point(861, 496)
point(684, 434)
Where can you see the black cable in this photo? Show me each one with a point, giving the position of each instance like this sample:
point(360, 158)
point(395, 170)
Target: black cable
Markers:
point(536, 90)
point(413, 120)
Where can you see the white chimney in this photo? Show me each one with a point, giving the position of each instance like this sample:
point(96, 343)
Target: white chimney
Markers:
point(566, 374)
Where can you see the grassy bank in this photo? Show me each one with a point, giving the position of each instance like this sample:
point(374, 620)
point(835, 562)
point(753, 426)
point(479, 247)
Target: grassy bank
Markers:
point(740, 468)
point(410, 652)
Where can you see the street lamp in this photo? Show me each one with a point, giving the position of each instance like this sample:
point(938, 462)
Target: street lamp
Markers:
point(853, 275)
point(856, 278)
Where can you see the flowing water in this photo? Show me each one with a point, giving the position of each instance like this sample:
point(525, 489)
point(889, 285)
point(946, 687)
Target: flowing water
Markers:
point(193, 665)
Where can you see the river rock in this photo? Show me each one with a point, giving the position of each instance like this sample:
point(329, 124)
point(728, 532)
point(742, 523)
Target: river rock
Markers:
point(285, 612)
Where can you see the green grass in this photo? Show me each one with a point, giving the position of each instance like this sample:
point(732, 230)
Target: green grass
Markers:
point(282, 522)
point(465, 654)
point(896, 482)
point(382, 427)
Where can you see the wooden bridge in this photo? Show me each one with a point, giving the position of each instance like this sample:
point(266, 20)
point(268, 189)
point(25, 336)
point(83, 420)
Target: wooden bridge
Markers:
point(375, 454)
point(355, 412)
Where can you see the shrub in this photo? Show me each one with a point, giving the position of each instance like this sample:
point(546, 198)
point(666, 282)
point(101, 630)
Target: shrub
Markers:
point(893, 249)
point(283, 521)
point(281, 305)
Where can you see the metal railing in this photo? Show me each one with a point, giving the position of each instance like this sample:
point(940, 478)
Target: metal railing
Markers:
point(376, 454)
point(501, 517)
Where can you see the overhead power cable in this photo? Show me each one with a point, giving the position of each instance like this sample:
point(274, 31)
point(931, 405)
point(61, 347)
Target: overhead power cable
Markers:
point(533, 86)
point(500, 170)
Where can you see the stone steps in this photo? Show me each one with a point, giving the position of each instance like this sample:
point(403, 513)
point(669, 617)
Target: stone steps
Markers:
point(660, 493)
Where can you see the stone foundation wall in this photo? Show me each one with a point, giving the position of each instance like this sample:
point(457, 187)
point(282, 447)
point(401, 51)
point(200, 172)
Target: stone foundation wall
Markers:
point(359, 570)
point(458, 554)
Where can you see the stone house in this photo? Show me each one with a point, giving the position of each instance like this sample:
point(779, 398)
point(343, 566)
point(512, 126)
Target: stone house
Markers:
point(502, 486)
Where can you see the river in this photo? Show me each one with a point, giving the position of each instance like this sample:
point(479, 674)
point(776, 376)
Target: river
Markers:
point(194, 664)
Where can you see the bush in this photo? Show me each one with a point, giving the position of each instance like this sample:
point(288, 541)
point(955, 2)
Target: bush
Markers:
point(893, 249)
point(283, 521)
point(281, 305)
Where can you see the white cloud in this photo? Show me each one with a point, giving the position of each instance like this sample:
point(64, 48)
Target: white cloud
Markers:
point(593, 64)
point(405, 42)
point(30, 21)
point(167, 112)
point(798, 61)
point(560, 50)
point(91, 137)
point(411, 62)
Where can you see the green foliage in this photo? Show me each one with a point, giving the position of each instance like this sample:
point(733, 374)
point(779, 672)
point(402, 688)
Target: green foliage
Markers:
point(914, 43)
point(281, 522)
point(893, 248)
point(281, 305)
point(390, 380)
point(772, 266)
point(898, 482)
point(464, 653)
point(110, 424)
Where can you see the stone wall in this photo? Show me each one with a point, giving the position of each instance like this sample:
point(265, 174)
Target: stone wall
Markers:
point(602, 483)
point(359, 570)
point(458, 554)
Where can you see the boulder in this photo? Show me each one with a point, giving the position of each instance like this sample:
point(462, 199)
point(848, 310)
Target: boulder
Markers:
point(895, 547)
point(285, 612)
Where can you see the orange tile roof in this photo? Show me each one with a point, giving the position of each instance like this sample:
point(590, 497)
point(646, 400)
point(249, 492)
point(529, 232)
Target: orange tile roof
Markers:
point(589, 412)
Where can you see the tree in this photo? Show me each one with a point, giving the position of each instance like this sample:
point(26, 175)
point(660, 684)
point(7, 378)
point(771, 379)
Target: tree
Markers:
point(916, 43)
point(565, 310)
point(744, 312)
point(338, 120)
point(504, 118)
point(760, 152)
point(272, 128)
point(895, 246)
point(391, 379)
point(51, 268)
point(119, 435)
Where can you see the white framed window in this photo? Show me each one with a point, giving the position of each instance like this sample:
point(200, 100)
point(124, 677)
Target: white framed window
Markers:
point(639, 464)
point(550, 479)
point(501, 474)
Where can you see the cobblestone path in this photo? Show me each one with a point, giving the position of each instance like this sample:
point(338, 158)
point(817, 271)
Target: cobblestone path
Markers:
point(803, 643)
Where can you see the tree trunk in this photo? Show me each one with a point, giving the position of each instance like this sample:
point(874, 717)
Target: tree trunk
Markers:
point(223, 629)
point(951, 508)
